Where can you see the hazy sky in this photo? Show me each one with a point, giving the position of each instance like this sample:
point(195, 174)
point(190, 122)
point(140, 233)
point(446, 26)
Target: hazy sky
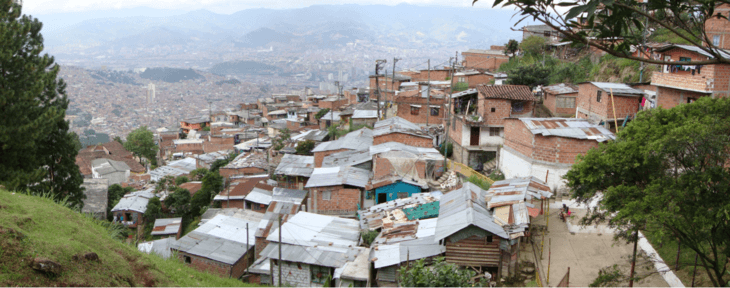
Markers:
point(218, 6)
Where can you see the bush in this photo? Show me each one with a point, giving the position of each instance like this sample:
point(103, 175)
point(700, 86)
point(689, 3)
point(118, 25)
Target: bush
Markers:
point(181, 180)
point(305, 147)
point(368, 236)
point(479, 182)
point(449, 147)
point(321, 113)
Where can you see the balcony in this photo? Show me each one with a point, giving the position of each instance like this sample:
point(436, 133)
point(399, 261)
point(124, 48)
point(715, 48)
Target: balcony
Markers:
point(704, 83)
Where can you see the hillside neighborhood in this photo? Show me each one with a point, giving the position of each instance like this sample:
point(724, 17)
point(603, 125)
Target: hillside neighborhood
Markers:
point(464, 170)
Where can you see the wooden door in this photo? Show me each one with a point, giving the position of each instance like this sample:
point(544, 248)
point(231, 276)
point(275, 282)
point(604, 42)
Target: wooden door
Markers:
point(474, 139)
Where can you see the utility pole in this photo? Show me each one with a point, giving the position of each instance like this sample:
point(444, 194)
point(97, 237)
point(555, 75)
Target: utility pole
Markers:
point(279, 262)
point(643, 42)
point(428, 93)
point(248, 247)
point(448, 118)
point(392, 87)
point(378, 66)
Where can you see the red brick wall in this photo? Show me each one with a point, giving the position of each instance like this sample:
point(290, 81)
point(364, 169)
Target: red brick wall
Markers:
point(456, 130)
point(669, 98)
point(291, 125)
point(404, 110)
point(244, 106)
point(587, 100)
point(718, 26)
point(232, 204)
point(215, 267)
point(222, 140)
point(228, 172)
point(405, 139)
point(474, 80)
point(319, 156)
point(336, 105)
point(550, 149)
point(342, 200)
point(483, 61)
point(503, 108)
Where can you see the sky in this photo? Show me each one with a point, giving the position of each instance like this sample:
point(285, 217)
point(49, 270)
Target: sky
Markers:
point(217, 6)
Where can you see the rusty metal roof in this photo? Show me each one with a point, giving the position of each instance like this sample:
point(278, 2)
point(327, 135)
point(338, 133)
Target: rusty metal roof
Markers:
point(561, 88)
point(568, 127)
point(510, 92)
point(295, 165)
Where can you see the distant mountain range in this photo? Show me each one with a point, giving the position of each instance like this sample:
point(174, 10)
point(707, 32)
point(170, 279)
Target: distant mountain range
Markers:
point(319, 27)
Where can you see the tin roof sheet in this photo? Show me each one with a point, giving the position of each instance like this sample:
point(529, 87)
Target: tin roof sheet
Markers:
point(398, 125)
point(364, 114)
point(561, 88)
point(289, 195)
point(618, 89)
point(418, 152)
point(568, 127)
point(465, 207)
point(696, 49)
point(347, 158)
point(332, 176)
point(160, 247)
point(356, 140)
point(174, 168)
point(135, 201)
point(295, 165)
point(166, 226)
point(309, 229)
point(222, 239)
point(314, 255)
point(385, 255)
point(331, 115)
point(245, 160)
point(261, 196)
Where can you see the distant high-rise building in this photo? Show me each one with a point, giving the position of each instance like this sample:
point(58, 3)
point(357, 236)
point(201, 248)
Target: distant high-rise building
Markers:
point(150, 93)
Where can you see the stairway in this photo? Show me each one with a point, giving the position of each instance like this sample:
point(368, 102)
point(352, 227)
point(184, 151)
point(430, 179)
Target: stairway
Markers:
point(447, 178)
point(490, 166)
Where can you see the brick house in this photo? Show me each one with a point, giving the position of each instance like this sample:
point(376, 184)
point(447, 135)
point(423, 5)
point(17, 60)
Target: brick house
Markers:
point(560, 99)
point(387, 87)
point(472, 78)
point(246, 164)
point(717, 29)
point(477, 124)
point(130, 209)
point(166, 227)
point(219, 246)
point(293, 171)
point(329, 119)
point(335, 242)
point(184, 147)
point(483, 59)
point(534, 146)
point(194, 124)
point(364, 117)
point(235, 194)
point(399, 130)
point(356, 140)
point(595, 102)
point(680, 84)
point(415, 108)
point(337, 190)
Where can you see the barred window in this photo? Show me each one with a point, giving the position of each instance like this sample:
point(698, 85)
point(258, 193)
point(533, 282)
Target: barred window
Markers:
point(326, 195)
point(415, 110)
point(565, 102)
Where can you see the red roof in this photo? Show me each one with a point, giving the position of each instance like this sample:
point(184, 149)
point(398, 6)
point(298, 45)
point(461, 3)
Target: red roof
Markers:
point(511, 92)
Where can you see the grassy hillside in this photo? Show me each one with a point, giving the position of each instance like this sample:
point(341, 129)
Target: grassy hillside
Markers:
point(32, 226)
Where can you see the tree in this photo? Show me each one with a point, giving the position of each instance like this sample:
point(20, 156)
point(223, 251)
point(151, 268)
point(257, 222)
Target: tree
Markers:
point(533, 45)
point(212, 184)
point(181, 180)
point(305, 147)
point(154, 209)
point(616, 26)
point(119, 139)
point(38, 152)
point(321, 114)
point(439, 274)
point(167, 182)
point(200, 200)
point(198, 174)
point(532, 76)
point(668, 174)
point(76, 141)
point(178, 201)
point(141, 142)
point(511, 48)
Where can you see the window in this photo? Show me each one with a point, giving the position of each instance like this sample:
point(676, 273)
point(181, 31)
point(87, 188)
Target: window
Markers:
point(546, 33)
point(402, 195)
point(598, 96)
point(319, 274)
point(493, 109)
point(326, 195)
point(716, 40)
point(462, 79)
point(415, 110)
point(187, 259)
point(684, 59)
point(434, 111)
point(490, 239)
point(565, 102)
point(494, 131)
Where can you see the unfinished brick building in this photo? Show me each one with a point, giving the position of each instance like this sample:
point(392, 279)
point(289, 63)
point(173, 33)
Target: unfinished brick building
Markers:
point(246, 164)
point(595, 102)
point(560, 99)
point(483, 59)
point(337, 190)
point(477, 126)
point(416, 108)
point(399, 130)
point(534, 146)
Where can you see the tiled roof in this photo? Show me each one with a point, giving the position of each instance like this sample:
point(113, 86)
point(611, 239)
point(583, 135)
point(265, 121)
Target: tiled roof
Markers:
point(511, 92)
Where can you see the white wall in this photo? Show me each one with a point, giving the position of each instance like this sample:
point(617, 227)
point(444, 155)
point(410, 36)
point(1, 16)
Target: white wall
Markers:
point(486, 140)
point(513, 165)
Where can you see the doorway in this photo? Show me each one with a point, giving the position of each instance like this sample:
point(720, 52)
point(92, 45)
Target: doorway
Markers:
point(382, 198)
point(474, 139)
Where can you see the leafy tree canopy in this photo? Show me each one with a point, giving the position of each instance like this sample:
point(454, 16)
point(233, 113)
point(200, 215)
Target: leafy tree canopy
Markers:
point(511, 47)
point(198, 174)
point(212, 184)
point(154, 209)
point(439, 274)
point(321, 113)
point(305, 147)
point(533, 45)
point(37, 151)
point(141, 142)
point(178, 201)
point(667, 173)
point(615, 26)
point(532, 76)
point(181, 180)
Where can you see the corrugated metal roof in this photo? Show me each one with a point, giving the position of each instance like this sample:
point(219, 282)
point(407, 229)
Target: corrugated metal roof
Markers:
point(166, 226)
point(510, 191)
point(222, 239)
point(465, 93)
point(135, 201)
point(246, 215)
point(723, 53)
point(174, 168)
point(561, 88)
point(379, 215)
point(160, 247)
point(393, 254)
point(364, 114)
point(332, 176)
point(289, 195)
point(326, 256)
point(295, 165)
point(258, 195)
point(568, 127)
point(347, 158)
point(245, 160)
point(419, 152)
point(465, 207)
point(618, 89)
point(356, 140)
point(398, 125)
point(330, 116)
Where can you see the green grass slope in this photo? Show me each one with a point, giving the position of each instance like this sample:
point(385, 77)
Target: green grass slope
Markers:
point(33, 227)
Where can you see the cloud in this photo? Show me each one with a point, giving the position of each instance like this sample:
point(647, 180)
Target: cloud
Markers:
point(218, 6)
